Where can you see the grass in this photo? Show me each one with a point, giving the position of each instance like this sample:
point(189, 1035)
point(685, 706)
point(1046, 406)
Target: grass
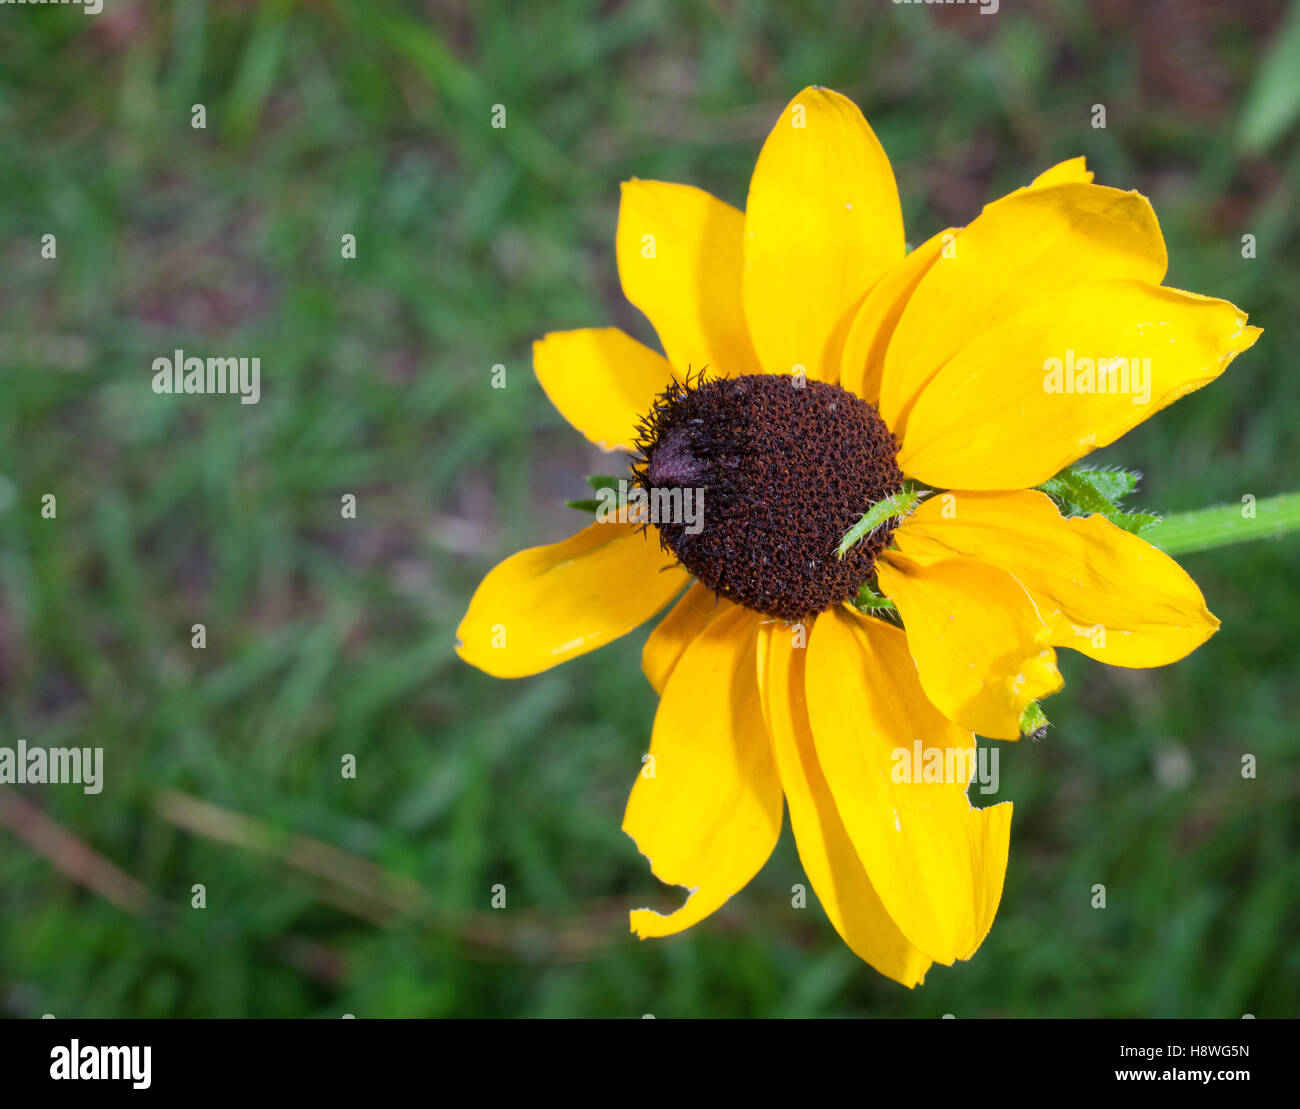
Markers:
point(328, 637)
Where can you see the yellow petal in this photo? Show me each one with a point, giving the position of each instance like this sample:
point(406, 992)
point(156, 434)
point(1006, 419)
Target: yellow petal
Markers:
point(698, 607)
point(1072, 170)
point(1102, 590)
point(680, 256)
point(545, 605)
point(825, 849)
point(980, 645)
point(1034, 245)
point(601, 380)
point(935, 862)
point(863, 361)
point(997, 416)
point(706, 808)
point(822, 224)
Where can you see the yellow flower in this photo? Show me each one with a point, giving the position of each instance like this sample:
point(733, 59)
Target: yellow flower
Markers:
point(985, 351)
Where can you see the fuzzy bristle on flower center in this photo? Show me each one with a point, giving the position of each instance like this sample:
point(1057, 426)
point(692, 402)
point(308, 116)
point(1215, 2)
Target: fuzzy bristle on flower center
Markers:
point(786, 466)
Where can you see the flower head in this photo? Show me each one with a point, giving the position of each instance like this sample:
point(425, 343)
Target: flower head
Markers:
point(787, 470)
point(811, 368)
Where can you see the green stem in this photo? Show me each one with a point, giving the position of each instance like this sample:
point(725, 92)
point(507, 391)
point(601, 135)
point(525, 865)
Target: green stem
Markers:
point(1206, 528)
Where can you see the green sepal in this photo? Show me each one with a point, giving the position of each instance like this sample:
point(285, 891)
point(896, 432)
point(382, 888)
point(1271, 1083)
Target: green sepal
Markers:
point(597, 482)
point(868, 600)
point(1033, 722)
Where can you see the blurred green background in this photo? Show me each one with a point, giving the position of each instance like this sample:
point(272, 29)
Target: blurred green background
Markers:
point(328, 637)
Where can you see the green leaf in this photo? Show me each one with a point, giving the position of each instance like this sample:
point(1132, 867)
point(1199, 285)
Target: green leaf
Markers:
point(1136, 522)
point(1081, 489)
point(604, 481)
point(1084, 490)
point(591, 504)
point(892, 507)
point(1273, 103)
point(1114, 484)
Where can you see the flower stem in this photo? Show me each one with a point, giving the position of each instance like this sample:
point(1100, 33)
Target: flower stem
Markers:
point(1206, 528)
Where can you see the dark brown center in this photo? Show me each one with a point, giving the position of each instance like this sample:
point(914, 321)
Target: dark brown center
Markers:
point(786, 466)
